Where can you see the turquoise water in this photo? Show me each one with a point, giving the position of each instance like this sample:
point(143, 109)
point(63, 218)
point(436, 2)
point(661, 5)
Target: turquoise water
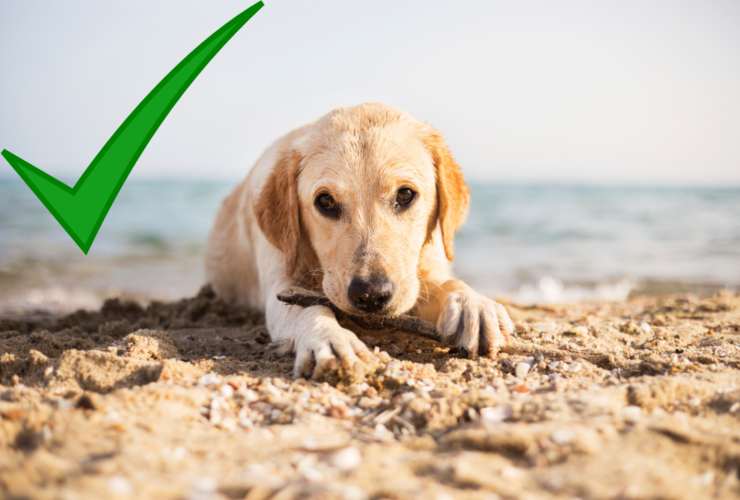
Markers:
point(531, 242)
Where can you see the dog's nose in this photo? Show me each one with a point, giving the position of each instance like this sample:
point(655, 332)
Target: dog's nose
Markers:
point(370, 294)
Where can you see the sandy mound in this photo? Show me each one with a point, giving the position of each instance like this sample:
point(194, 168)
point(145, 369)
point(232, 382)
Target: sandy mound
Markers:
point(189, 399)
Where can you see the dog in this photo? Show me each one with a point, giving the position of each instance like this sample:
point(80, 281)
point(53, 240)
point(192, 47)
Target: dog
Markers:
point(363, 205)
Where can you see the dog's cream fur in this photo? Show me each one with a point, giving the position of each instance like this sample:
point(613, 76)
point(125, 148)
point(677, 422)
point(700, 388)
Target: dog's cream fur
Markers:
point(269, 235)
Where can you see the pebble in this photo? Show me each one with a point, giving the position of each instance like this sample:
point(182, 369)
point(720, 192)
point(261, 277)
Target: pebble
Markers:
point(382, 433)
point(244, 419)
point(580, 330)
point(113, 417)
point(495, 414)
point(64, 404)
point(119, 485)
point(203, 487)
point(209, 379)
point(510, 472)
point(522, 369)
point(349, 492)
point(707, 478)
point(646, 328)
point(367, 403)
point(227, 391)
point(215, 417)
point(228, 424)
point(309, 471)
point(419, 406)
point(271, 391)
point(488, 392)
point(632, 414)
point(248, 395)
point(562, 436)
point(346, 459)
point(407, 397)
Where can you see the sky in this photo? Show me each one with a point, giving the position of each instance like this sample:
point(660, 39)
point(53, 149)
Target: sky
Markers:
point(644, 92)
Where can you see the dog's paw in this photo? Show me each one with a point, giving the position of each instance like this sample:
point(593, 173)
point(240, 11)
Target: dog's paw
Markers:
point(474, 323)
point(330, 350)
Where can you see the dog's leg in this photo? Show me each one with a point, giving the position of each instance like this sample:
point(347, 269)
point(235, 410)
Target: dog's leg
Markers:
point(465, 318)
point(320, 344)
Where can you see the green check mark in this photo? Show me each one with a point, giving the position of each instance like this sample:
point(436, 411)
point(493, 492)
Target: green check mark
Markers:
point(81, 209)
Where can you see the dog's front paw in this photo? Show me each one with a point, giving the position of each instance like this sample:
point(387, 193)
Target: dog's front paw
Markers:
point(329, 349)
point(474, 323)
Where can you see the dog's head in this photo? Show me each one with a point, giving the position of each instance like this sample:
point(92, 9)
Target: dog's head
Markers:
point(356, 199)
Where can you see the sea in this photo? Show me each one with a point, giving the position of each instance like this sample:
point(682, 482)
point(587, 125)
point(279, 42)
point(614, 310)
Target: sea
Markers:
point(526, 242)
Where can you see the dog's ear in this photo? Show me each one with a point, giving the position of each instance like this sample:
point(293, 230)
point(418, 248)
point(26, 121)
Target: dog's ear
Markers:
point(277, 209)
point(453, 196)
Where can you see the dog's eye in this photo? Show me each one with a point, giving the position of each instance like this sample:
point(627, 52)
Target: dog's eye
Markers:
point(404, 197)
point(327, 206)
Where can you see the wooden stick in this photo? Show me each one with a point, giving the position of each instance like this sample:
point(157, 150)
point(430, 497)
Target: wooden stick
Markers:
point(307, 298)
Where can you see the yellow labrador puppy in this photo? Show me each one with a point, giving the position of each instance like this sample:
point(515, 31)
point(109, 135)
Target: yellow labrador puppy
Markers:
point(362, 204)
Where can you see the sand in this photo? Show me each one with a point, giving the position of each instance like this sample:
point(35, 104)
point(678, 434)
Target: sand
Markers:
point(190, 400)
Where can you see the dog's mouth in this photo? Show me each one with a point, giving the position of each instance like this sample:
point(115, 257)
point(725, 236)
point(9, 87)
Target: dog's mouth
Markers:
point(350, 310)
point(307, 298)
point(391, 311)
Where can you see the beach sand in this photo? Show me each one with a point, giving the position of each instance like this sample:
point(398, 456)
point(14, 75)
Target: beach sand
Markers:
point(637, 399)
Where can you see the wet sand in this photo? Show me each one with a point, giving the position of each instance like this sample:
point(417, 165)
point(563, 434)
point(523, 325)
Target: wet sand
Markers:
point(637, 399)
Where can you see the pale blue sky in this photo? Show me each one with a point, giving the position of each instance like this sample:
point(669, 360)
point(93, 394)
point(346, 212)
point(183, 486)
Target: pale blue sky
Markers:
point(622, 91)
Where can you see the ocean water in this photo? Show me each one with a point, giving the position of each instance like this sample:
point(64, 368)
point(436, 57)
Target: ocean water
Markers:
point(548, 243)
